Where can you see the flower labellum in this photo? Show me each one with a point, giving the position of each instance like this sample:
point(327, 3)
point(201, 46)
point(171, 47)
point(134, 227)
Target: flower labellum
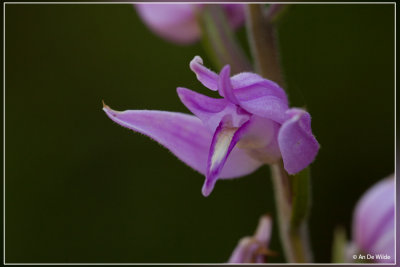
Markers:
point(232, 136)
point(178, 23)
point(254, 249)
point(373, 222)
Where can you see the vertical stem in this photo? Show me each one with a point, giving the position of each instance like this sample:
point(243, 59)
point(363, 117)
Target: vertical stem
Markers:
point(294, 239)
point(263, 45)
point(294, 236)
point(219, 40)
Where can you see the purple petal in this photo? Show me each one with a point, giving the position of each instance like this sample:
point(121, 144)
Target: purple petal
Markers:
point(224, 85)
point(174, 22)
point(255, 94)
point(260, 96)
point(185, 136)
point(207, 77)
point(266, 106)
point(297, 144)
point(249, 85)
point(211, 110)
point(373, 222)
point(208, 110)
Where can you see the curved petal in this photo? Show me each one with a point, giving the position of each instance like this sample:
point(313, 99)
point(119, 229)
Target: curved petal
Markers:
point(297, 143)
point(223, 142)
point(266, 106)
point(249, 85)
point(206, 76)
point(260, 96)
point(211, 110)
point(253, 93)
point(184, 135)
point(208, 110)
point(224, 85)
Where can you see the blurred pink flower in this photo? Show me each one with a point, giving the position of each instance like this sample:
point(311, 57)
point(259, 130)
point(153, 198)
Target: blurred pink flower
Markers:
point(178, 22)
point(254, 249)
point(373, 222)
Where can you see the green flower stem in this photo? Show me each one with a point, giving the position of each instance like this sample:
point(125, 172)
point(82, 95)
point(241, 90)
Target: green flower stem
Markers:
point(292, 193)
point(292, 215)
point(219, 40)
point(261, 32)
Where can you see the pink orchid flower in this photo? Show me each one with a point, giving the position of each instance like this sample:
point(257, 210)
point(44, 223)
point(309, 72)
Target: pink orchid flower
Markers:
point(232, 136)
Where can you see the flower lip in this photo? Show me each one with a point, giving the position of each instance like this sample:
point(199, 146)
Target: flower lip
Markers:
point(224, 140)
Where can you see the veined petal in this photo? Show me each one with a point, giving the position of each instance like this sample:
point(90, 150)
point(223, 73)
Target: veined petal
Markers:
point(224, 140)
point(184, 135)
point(224, 85)
point(297, 143)
point(260, 96)
point(249, 85)
point(266, 106)
point(206, 76)
point(211, 110)
point(208, 110)
point(253, 93)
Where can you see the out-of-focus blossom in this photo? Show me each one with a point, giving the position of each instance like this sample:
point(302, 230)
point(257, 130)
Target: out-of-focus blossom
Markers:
point(373, 222)
point(254, 249)
point(231, 136)
point(179, 23)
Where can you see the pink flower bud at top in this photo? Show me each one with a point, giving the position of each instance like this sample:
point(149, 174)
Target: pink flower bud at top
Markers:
point(178, 23)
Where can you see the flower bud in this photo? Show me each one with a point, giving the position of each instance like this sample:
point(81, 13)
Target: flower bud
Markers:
point(178, 23)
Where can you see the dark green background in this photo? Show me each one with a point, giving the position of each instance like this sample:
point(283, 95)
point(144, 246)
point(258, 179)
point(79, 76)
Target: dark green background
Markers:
point(80, 188)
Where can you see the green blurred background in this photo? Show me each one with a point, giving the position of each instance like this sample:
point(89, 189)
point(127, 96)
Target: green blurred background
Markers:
point(80, 188)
